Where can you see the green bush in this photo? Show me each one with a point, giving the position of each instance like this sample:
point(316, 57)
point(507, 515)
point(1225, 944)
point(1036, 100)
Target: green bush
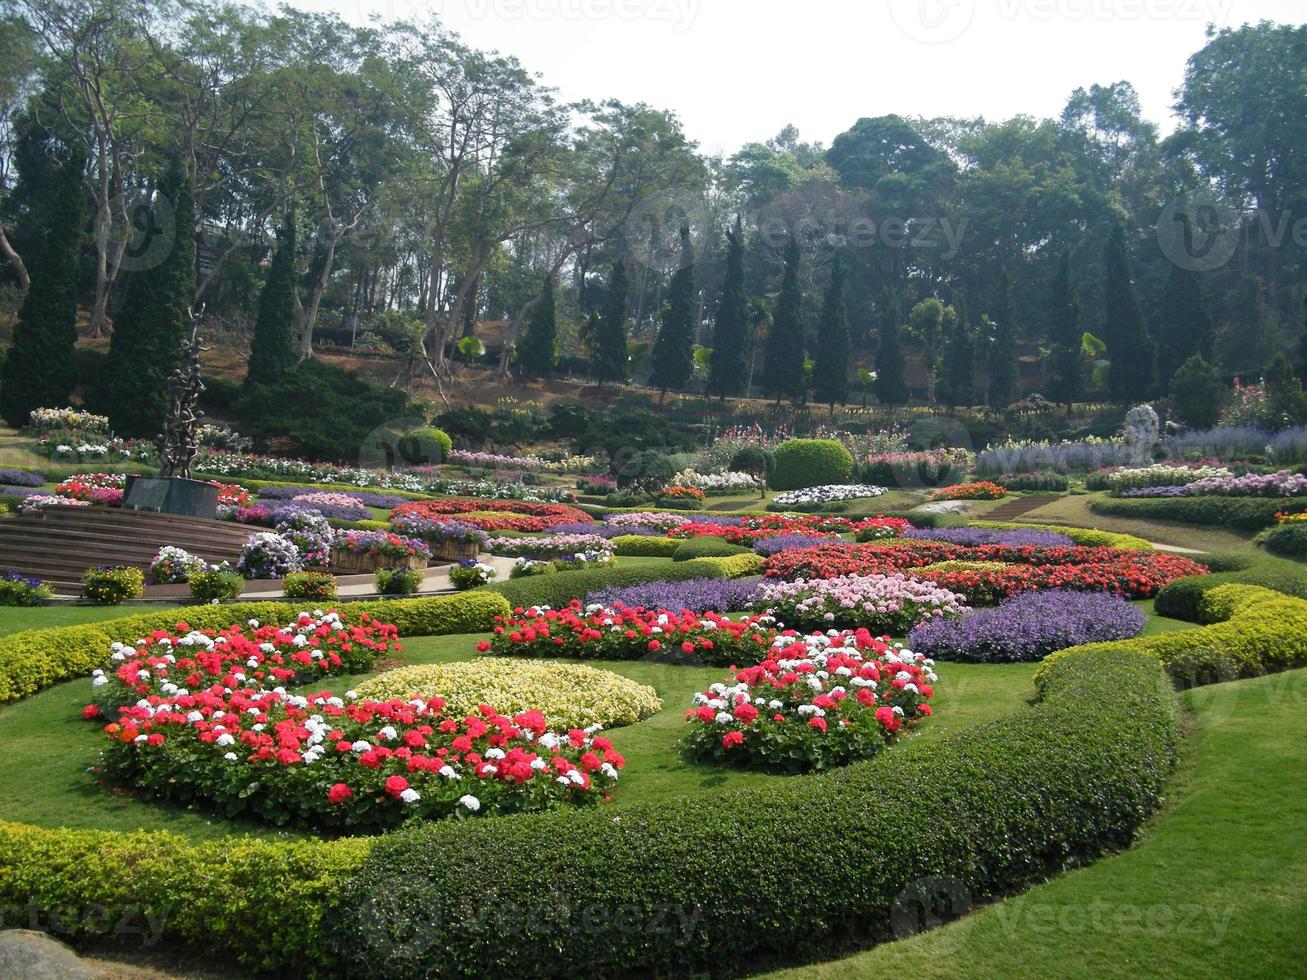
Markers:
point(1287, 540)
point(1016, 800)
point(398, 581)
point(645, 472)
point(733, 566)
point(216, 585)
point(754, 460)
point(22, 590)
point(32, 660)
point(368, 525)
point(681, 503)
point(1239, 513)
point(627, 499)
point(428, 443)
point(1182, 598)
point(112, 586)
point(706, 547)
point(644, 546)
point(810, 463)
point(1046, 482)
point(309, 585)
point(1090, 537)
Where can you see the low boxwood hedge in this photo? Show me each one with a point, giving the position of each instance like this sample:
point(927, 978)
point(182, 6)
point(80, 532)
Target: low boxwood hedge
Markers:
point(1181, 599)
point(1253, 631)
point(1287, 540)
point(706, 547)
point(644, 546)
point(1090, 537)
point(1240, 513)
point(34, 659)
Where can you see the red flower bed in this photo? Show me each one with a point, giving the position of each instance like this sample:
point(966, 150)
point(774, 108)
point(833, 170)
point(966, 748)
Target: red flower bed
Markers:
point(631, 634)
point(519, 515)
point(1136, 574)
point(980, 490)
point(752, 529)
point(818, 702)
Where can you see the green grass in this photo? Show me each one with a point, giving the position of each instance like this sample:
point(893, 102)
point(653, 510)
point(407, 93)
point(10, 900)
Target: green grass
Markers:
point(14, 619)
point(1216, 887)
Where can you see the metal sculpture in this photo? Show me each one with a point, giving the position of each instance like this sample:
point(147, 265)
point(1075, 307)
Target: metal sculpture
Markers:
point(180, 439)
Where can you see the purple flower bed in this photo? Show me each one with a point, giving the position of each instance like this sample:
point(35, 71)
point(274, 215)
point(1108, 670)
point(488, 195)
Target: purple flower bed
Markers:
point(1029, 626)
point(696, 594)
point(10, 477)
point(13, 490)
point(607, 531)
point(1281, 484)
point(788, 542)
point(284, 511)
point(972, 537)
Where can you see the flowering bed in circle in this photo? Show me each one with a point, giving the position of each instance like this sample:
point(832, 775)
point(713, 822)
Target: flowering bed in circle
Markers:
point(980, 490)
point(1136, 574)
point(554, 546)
point(570, 695)
point(749, 530)
point(600, 633)
point(890, 604)
point(827, 494)
point(1029, 626)
point(517, 515)
point(814, 702)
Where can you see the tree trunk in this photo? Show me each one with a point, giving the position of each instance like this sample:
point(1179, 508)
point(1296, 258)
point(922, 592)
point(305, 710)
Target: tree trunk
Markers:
point(14, 259)
point(315, 298)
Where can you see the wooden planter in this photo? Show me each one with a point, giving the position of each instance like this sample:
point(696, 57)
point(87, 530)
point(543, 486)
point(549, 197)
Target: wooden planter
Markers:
point(448, 550)
point(345, 562)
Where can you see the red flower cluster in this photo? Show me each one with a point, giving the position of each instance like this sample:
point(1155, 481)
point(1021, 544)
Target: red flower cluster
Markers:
point(631, 634)
point(241, 657)
point(233, 495)
point(519, 515)
point(818, 702)
point(1135, 574)
point(980, 490)
point(752, 529)
point(103, 488)
point(326, 761)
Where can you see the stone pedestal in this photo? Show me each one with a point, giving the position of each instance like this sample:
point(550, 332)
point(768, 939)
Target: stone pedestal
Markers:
point(186, 498)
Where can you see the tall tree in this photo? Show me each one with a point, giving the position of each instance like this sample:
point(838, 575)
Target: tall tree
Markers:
point(609, 357)
point(1002, 361)
point(673, 356)
point(1184, 327)
point(831, 373)
point(1300, 360)
point(1124, 330)
point(891, 373)
point(272, 352)
point(1068, 376)
point(147, 336)
point(957, 367)
point(536, 352)
point(782, 370)
point(39, 371)
point(730, 367)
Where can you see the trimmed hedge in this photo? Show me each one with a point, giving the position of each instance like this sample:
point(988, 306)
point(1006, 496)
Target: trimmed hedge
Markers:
point(1183, 597)
point(994, 808)
point(1090, 537)
point(644, 546)
point(732, 566)
point(34, 659)
point(1288, 540)
point(706, 547)
point(1254, 631)
point(804, 463)
point(1240, 513)
point(558, 590)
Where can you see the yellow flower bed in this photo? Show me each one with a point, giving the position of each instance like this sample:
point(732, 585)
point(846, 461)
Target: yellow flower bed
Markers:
point(964, 566)
point(569, 695)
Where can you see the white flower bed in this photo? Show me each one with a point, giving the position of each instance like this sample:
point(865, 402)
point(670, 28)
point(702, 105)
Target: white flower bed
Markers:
point(714, 484)
point(827, 494)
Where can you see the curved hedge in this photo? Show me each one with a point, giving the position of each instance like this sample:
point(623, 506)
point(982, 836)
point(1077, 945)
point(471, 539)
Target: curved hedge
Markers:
point(706, 547)
point(1087, 536)
point(1242, 513)
point(804, 463)
point(644, 546)
point(1254, 631)
point(35, 659)
point(1182, 598)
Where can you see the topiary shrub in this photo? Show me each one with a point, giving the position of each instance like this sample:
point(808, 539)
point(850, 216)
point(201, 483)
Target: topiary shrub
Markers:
point(804, 463)
point(397, 581)
point(427, 442)
point(644, 546)
point(646, 472)
point(309, 585)
point(112, 586)
point(706, 547)
point(1182, 598)
point(1287, 540)
point(216, 585)
point(757, 462)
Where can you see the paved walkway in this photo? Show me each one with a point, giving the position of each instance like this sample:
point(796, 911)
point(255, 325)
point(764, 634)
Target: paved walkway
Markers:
point(435, 582)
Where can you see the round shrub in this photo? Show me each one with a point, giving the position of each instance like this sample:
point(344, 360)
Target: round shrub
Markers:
point(398, 581)
point(111, 586)
point(568, 695)
point(706, 547)
point(646, 471)
point(1287, 540)
point(754, 460)
point(216, 584)
point(801, 463)
point(309, 585)
point(470, 573)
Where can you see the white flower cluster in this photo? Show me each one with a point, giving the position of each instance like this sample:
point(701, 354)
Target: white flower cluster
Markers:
point(715, 483)
point(827, 494)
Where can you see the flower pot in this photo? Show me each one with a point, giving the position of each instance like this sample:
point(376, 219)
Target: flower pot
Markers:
point(345, 562)
point(450, 550)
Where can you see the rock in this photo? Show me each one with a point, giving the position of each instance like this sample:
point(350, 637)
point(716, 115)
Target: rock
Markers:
point(39, 956)
point(945, 507)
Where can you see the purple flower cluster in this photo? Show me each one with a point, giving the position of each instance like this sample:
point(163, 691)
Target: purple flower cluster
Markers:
point(1282, 484)
point(11, 490)
point(974, 537)
point(788, 542)
point(1029, 626)
point(696, 594)
point(11, 477)
point(607, 531)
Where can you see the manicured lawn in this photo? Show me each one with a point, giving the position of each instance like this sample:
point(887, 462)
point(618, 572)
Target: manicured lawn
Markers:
point(13, 619)
point(1216, 887)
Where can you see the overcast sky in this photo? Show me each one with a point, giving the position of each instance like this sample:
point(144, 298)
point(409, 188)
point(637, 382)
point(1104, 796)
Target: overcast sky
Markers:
point(736, 71)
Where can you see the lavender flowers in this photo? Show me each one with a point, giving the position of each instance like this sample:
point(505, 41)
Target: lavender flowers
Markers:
point(696, 594)
point(973, 537)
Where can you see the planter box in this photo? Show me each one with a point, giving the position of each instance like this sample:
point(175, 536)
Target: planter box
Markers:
point(352, 563)
point(454, 550)
point(186, 498)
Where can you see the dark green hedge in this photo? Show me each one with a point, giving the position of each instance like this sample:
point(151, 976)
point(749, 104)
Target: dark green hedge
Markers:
point(647, 890)
point(1287, 540)
point(706, 547)
point(1180, 599)
point(1240, 513)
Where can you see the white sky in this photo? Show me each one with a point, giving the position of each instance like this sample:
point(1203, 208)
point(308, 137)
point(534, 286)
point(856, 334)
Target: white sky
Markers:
point(737, 71)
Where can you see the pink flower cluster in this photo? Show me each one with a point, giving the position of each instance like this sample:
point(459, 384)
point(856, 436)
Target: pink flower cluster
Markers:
point(891, 604)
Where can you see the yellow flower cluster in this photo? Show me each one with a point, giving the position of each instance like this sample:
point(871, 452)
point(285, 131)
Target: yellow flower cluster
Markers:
point(568, 695)
point(1292, 518)
point(964, 566)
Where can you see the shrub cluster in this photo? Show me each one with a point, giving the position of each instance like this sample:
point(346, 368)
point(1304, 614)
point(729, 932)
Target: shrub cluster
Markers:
point(706, 547)
point(803, 463)
point(112, 586)
point(1239, 513)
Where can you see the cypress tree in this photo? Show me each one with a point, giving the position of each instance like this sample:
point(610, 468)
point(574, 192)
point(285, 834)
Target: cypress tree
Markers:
point(957, 371)
point(272, 353)
point(1123, 325)
point(1184, 328)
point(730, 368)
point(609, 357)
point(832, 369)
point(39, 371)
point(782, 370)
point(891, 380)
point(147, 336)
point(673, 356)
point(535, 353)
point(1067, 382)
point(1003, 386)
